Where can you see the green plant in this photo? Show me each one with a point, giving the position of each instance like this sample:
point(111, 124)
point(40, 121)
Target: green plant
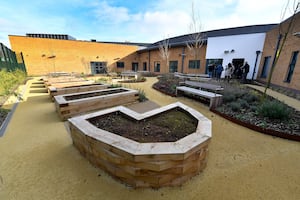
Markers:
point(101, 79)
point(142, 95)
point(228, 97)
point(244, 104)
point(273, 109)
point(235, 106)
point(9, 80)
point(251, 97)
point(115, 85)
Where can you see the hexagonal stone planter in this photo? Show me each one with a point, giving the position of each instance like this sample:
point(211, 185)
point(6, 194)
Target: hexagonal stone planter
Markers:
point(143, 164)
point(69, 105)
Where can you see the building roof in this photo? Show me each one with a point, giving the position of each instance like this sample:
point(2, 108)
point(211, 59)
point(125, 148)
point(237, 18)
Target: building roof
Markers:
point(142, 44)
point(51, 36)
point(182, 40)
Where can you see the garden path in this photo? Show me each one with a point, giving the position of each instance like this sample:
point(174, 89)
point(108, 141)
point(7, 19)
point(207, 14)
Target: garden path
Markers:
point(292, 102)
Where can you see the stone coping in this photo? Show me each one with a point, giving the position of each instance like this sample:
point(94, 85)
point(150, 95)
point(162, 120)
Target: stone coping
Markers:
point(180, 147)
point(60, 99)
point(54, 89)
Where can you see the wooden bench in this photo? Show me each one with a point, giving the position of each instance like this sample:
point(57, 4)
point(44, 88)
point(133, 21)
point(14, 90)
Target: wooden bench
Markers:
point(197, 77)
point(130, 74)
point(215, 99)
point(205, 86)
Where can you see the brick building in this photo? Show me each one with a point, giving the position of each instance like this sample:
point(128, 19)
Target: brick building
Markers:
point(287, 70)
point(43, 54)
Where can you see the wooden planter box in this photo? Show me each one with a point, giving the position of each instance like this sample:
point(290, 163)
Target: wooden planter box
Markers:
point(143, 164)
point(70, 83)
point(53, 91)
point(67, 106)
point(49, 81)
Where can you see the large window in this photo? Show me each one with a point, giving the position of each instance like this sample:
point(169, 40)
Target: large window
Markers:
point(173, 66)
point(145, 66)
point(211, 63)
point(120, 65)
point(292, 66)
point(156, 66)
point(265, 69)
point(194, 64)
point(98, 67)
point(135, 66)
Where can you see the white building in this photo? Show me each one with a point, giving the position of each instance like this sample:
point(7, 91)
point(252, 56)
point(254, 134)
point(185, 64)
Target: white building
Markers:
point(236, 46)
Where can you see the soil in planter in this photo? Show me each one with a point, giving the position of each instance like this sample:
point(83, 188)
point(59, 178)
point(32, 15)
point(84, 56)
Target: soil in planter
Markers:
point(168, 126)
point(93, 94)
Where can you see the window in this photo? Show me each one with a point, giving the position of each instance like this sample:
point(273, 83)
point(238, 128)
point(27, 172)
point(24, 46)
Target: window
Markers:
point(173, 66)
point(98, 67)
point(292, 66)
point(120, 65)
point(135, 66)
point(156, 66)
point(265, 69)
point(194, 64)
point(145, 66)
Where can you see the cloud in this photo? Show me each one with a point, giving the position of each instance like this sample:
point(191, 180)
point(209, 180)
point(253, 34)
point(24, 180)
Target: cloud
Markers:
point(136, 21)
point(108, 14)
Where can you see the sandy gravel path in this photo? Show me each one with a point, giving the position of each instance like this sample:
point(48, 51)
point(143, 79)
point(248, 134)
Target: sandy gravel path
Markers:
point(38, 161)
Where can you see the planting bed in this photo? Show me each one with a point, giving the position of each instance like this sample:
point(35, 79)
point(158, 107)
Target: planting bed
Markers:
point(150, 158)
point(73, 104)
point(53, 91)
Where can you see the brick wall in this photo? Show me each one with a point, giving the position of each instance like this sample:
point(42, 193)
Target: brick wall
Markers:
point(42, 55)
point(292, 44)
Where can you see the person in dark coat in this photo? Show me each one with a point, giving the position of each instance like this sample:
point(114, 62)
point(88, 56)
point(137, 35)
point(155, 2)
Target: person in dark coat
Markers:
point(219, 70)
point(211, 68)
point(245, 70)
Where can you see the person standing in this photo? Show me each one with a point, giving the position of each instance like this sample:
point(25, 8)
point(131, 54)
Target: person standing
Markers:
point(228, 72)
point(245, 70)
point(210, 70)
point(219, 70)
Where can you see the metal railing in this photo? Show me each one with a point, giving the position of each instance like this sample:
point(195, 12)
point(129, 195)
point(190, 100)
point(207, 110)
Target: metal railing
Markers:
point(11, 60)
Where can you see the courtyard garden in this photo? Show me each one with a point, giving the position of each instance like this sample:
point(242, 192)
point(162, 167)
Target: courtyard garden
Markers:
point(248, 106)
point(40, 160)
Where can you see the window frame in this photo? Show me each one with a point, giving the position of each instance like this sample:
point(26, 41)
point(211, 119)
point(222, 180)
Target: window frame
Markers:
point(291, 68)
point(122, 66)
point(194, 66)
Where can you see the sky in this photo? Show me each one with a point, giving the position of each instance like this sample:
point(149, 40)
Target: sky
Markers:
point(146, 21)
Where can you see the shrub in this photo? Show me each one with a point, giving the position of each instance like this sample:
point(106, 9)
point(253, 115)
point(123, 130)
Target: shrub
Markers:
point(142, 96)
point(244, 104)
point(115, 86)
point(228, 97)
point(235, 106)
point(274, 110)
point(251, 97)
point(8, 80)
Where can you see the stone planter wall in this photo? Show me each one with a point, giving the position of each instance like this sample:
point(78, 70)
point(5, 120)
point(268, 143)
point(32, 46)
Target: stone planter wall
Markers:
point(53, 91)
point(68, 108)
point(143, 164)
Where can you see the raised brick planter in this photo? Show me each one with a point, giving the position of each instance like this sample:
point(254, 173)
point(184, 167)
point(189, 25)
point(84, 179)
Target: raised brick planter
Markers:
point(53, 91)
point(77, 103)
point(143, 164)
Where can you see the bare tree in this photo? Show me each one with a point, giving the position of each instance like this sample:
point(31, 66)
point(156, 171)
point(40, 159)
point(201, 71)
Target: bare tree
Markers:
point(196, 39)
point(164, 51)
point(86, 64)
point(282, 36)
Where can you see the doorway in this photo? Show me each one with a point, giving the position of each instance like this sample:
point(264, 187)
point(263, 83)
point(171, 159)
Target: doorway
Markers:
point(238, 63)
point(98, 67)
